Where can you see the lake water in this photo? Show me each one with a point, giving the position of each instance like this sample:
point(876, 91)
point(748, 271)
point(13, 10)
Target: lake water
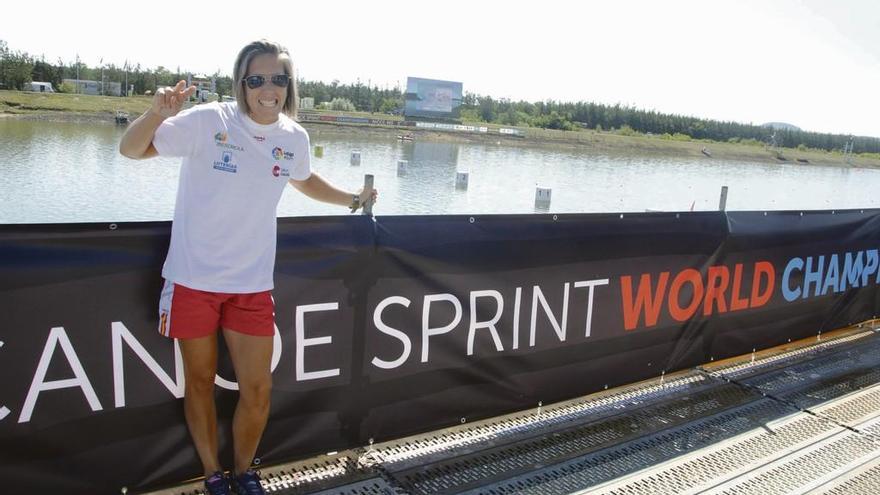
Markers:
point(72, 172)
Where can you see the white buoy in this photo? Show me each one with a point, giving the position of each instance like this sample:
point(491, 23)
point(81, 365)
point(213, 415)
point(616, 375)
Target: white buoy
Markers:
point(401, 167)
point(542, 197)
point(461, 180)
point(355, 158)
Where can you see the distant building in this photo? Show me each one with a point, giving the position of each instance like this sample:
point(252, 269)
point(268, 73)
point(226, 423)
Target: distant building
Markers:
point(112, 88)
point(40, 87)
point(307, 103)
point(83, 86)
point(206, 87)
point(86, 87)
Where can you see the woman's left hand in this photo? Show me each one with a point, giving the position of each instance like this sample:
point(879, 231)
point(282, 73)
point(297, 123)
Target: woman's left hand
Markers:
point(368, 196)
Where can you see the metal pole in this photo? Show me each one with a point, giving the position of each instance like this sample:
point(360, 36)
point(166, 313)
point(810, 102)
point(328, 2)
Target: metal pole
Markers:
point(722, 205)
point(368, 186)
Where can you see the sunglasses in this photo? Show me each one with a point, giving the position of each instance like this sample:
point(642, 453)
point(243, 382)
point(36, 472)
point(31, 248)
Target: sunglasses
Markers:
point(254, 82)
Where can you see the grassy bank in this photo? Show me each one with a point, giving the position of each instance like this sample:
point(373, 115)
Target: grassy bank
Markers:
point(654, 144)
point(25, 103)
point(59, 106)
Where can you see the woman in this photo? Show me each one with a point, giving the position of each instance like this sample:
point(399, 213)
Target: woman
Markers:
point(237, 158)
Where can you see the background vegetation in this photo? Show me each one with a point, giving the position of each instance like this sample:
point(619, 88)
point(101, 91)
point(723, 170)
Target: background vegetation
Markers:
point(19, 68)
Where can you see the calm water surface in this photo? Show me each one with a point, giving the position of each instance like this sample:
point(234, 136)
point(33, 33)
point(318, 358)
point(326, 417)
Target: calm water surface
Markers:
point(72, 172)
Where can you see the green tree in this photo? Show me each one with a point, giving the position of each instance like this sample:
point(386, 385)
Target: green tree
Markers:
point(163, 77)
point(511, 116)
point(224, 84)
point(46, 72)
point(4, 54)
point(554, 121)
point(15, 68)
point(342, 104)
point(487, 109)
point(391, 105)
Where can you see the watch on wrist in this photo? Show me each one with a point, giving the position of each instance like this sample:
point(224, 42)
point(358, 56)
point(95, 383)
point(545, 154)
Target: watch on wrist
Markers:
point(355, 202)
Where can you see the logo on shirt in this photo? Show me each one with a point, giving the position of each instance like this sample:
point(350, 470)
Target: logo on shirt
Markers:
point(220, 139)
point(226, 164)
point(260, 138)
point(279, 153)
point(278, 171)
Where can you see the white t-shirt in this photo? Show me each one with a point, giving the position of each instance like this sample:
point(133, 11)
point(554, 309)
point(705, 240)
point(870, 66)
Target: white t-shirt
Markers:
point(234, 171)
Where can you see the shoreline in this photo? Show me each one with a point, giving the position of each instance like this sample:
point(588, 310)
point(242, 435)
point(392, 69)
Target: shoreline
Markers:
point(602, 142)
point(606, 142)
point(61, 116)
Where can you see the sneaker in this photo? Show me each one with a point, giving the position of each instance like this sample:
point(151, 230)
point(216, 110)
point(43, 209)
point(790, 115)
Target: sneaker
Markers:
point(247, 483)
point(217, 484)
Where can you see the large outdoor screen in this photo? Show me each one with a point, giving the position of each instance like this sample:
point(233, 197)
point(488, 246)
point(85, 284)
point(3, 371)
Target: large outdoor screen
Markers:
point(432, 98)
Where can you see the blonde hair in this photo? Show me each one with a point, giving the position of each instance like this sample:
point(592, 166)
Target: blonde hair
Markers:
point(243, 61)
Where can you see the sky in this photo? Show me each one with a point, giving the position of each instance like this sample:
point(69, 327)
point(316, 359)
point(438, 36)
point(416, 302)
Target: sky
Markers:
point(811, 63)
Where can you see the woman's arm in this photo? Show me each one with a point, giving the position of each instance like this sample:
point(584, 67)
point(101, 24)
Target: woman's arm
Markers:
point(137, 142)
point(316, 187)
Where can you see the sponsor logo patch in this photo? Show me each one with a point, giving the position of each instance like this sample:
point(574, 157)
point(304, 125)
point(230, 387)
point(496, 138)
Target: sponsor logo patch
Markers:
point(279, 153)
point(221, 138)
point(278, 171)
point(226, 164)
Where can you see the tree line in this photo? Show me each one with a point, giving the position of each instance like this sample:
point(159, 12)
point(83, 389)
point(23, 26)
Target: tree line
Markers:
point(19, 68)
point(630, 120)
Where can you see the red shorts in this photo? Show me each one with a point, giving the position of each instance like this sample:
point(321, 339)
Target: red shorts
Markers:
point(198, 313)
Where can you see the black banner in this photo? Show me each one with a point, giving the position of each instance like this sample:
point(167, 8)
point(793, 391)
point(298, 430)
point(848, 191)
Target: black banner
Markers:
point(398, 325)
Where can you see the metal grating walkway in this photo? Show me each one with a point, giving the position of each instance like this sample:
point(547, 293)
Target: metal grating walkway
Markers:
point(804, 418)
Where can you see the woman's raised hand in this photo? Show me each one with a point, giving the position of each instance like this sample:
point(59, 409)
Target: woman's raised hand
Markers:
point(168, 101)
